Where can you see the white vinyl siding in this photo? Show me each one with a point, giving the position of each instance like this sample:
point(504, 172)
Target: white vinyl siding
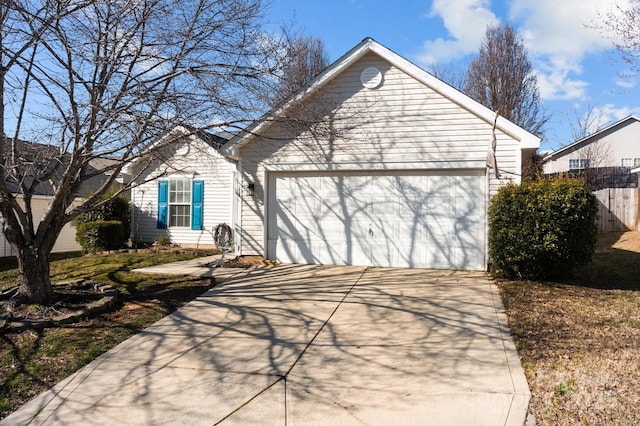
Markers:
point(608, 148)
point(404, 124)
point(193, 160)
point(66, 241)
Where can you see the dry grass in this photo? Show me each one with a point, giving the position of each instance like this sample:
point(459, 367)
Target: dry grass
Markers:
point(579, 341)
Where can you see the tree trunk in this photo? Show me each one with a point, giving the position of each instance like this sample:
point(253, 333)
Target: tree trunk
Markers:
point(35, 282)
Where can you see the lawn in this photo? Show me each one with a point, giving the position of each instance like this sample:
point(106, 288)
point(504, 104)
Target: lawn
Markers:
point(33, 361)
point(579, 340)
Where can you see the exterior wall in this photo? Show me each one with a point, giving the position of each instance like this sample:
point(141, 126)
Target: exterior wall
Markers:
point(192, 159)
point(603, 150)
point(66, 240)
point(402, 124)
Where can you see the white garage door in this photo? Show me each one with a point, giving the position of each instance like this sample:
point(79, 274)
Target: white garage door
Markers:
point(420, 220)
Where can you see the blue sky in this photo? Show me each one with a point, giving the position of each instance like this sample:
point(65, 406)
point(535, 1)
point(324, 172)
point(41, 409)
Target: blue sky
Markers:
point(574, 62)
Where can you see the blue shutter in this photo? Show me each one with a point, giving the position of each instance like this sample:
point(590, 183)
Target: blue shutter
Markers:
point(163, 203)
point(197, 198)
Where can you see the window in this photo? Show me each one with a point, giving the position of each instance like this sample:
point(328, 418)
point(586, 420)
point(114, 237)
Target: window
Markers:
point(578, 164)
point(631, 162)
point(180, 203)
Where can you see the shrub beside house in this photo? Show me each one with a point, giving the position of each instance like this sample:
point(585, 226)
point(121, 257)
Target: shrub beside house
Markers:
point(542, 229)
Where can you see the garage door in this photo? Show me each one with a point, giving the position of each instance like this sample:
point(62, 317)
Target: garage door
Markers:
point(422, 220)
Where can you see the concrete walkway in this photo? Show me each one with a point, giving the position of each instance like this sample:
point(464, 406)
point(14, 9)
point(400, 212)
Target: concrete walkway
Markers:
point(308, 345)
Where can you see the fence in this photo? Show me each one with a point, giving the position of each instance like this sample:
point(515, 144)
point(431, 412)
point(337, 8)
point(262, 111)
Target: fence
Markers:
point(619, 209)
point(602, 177)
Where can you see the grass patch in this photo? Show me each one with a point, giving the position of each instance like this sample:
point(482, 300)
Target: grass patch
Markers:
point(33, 361)
point(579, 338)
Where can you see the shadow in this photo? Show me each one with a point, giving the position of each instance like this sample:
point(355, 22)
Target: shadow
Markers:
point(355, 177)
point(36, 360)
point(612, 267)
point(339, 339)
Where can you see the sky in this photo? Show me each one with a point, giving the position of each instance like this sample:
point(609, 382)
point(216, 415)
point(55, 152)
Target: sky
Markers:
point(576, 67)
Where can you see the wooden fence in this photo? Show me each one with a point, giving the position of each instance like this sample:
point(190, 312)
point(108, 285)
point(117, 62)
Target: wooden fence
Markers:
point(619, 209)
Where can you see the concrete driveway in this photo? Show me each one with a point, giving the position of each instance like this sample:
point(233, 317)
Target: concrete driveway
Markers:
point(308, 345)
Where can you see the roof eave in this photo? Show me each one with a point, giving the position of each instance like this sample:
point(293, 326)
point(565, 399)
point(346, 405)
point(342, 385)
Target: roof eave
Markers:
point(588, 138)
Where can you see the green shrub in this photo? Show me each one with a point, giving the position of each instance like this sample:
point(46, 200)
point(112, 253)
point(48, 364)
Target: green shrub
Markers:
point(161, 240)
point(100, 235)
point(541, 229)
point(117, 208)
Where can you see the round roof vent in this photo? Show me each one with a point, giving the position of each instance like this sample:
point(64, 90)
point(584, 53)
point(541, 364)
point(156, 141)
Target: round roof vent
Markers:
point(371, 78)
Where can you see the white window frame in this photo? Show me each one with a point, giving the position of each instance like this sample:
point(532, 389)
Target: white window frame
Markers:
point(179, 197)
point(578, 163)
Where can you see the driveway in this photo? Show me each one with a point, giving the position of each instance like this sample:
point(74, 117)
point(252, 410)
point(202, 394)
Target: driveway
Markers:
point(304, 345)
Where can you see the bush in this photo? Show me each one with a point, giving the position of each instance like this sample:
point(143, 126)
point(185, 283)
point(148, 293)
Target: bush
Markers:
point(541, 229)
point(100, 235)
point(114, 209)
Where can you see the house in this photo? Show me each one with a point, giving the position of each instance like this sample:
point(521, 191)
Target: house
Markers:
point(377, 162)
point(617, 145)
point(183, 189)
point(66, 241)
point(44, 191)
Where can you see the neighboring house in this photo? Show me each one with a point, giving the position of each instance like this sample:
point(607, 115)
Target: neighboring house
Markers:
point(376, 163)
point(43, 194)
point(617, 145)
point(66, 241)
point(184, 189)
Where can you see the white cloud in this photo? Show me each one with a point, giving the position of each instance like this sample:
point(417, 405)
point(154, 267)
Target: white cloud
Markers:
point(466, 22)
point(626, 83)
point(612, 114)
point(561, 28)
point(627, 79)
point(558, 35)
point(554, 81)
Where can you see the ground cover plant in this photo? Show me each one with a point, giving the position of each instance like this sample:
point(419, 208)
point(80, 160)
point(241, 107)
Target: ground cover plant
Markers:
point(32, 361)
point(579, 338)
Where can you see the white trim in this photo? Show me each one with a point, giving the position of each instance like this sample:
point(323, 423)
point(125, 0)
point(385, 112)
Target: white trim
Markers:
point(586, 139)
point(527, 140)
point(266, 207)
point(180, 175)
point(429, 165)
point(239, 196)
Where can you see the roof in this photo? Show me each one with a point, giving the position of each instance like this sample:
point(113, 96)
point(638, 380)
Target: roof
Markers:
point(527, 140)
point(216, 141)
point(35, 158)
point(592, 137)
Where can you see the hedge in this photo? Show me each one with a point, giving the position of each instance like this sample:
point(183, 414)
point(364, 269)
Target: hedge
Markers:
point(100, 235)
point(114, 209)
point(541, 229)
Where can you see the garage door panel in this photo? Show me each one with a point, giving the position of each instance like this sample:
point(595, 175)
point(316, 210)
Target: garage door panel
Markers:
point(431, 220)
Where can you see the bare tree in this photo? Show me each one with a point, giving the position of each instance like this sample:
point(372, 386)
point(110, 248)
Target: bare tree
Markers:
point(596, 154)
point(591, 121)
point(89, 79)
point(502, 79)
point(622, 24)
point(305, 57)
point(454, 77)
